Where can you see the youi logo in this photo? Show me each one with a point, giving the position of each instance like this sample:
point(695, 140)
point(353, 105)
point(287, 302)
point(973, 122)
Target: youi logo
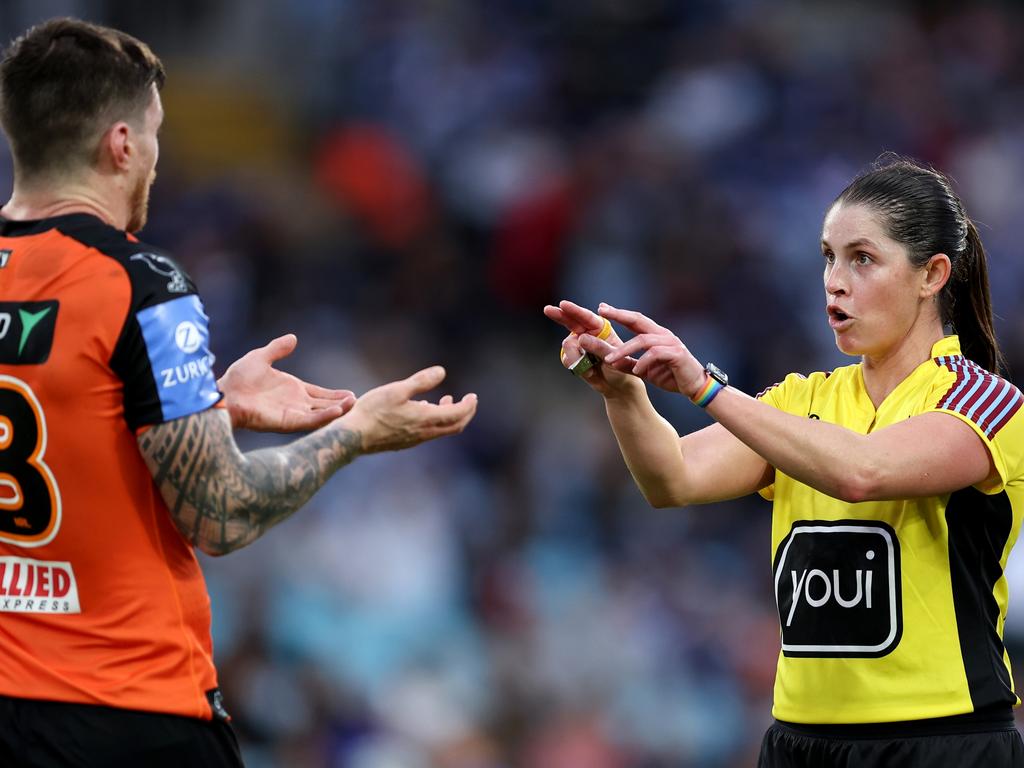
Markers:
point(837, 586)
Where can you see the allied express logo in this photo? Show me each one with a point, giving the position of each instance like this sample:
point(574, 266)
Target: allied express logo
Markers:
point(837, 586)
point(37, 586)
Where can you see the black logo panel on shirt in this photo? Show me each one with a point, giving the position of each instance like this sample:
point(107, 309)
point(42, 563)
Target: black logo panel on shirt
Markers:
point(26, 331)
point(837, 586)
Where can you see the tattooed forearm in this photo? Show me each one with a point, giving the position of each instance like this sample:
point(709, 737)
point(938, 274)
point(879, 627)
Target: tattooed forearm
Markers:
point(222, 499)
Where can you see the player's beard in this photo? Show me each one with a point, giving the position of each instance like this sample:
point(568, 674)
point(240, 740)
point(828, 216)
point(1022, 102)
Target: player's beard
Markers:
point(138, 209)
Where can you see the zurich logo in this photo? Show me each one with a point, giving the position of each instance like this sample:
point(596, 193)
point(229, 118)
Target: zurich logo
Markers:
point(187, 337)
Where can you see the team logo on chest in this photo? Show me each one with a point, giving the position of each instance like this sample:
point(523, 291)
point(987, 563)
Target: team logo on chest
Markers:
point(837, 586)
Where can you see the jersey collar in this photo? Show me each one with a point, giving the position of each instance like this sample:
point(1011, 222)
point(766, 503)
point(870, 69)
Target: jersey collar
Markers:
point(947, 347)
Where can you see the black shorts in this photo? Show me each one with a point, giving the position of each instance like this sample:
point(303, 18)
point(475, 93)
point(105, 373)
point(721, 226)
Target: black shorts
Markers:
point(47, 734)
point(949, 742)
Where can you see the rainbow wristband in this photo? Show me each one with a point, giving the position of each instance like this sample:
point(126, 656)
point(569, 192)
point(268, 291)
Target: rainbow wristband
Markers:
point(707, 393)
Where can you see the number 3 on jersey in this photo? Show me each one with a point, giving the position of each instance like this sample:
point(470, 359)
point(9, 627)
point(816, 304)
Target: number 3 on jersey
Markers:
point(29, 498)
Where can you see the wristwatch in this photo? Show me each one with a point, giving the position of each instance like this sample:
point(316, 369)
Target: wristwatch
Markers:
point(717, 374)
point(716, 382)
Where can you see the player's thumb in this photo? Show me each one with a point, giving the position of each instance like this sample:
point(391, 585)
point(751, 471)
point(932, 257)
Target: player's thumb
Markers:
point(424, 380)
point(280, 347)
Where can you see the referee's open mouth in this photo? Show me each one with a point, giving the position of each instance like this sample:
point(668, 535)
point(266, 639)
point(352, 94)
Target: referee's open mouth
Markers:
point(837, 318)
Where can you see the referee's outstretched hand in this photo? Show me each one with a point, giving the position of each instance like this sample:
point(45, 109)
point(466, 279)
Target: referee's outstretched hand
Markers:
point(584, 327)
point(655, 354)
point(388, 419)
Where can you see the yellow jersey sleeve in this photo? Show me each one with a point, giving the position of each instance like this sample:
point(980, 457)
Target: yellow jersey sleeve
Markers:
point(791, 395)
point(990, 405)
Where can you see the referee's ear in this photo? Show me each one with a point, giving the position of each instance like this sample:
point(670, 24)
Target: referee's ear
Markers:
point(935, 275)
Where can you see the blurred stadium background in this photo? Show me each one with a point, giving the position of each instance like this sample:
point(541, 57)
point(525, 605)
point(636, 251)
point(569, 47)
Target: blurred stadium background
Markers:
point(403, 183)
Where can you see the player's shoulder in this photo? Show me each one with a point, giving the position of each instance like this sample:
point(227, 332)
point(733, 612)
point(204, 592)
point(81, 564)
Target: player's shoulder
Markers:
point(154, 273)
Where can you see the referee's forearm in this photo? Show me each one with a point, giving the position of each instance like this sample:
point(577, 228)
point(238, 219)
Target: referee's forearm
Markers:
point(649, 446)
point(830, 458)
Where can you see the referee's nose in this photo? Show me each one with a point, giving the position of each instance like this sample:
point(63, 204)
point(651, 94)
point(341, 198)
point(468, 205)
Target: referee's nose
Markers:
point(835, 280)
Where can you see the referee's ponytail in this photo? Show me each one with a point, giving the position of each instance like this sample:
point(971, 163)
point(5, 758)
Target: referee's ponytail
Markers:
point(919, 210)
point(970, 306)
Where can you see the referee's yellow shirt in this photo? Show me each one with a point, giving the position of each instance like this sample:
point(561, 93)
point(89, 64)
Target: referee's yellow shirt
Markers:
point(894, 610)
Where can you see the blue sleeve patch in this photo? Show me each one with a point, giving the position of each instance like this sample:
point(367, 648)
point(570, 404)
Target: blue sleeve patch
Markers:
point(177, 340)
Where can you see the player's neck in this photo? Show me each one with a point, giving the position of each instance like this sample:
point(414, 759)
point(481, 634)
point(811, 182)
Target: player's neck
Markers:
point(44, 200)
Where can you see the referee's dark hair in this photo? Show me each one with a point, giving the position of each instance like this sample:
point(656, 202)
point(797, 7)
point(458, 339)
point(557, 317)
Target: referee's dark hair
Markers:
point(918, 209)
point(62, 84)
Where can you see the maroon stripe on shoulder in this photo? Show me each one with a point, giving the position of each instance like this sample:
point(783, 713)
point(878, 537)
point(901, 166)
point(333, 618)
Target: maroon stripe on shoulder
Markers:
point(978, 396)
point(956, 364)
point(987, 400)
point(1002, 420)
point(993, 405)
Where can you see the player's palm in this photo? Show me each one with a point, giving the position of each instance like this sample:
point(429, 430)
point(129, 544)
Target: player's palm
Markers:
point(262, 398)
point(388, 419)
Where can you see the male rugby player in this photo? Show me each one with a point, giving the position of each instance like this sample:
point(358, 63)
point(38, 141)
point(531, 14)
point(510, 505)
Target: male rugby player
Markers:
point(116, 450)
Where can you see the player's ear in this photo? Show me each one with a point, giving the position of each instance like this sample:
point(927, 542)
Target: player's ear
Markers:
point(117, 146)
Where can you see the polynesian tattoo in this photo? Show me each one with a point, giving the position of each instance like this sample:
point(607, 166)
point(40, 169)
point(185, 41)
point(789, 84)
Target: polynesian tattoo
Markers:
point(221, 499)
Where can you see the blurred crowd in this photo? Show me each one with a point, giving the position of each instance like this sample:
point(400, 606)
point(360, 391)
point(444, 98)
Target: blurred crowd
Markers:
point(403, 183)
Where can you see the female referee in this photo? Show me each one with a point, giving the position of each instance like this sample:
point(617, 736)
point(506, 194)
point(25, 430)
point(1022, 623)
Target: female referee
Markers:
point(897, 483)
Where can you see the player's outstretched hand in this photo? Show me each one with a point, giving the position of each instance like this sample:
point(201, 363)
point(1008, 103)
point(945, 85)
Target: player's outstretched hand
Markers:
point(262, 398)
point(655, 353)
point(585, 327)
point(388, 419)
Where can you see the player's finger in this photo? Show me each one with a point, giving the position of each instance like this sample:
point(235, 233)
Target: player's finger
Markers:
point(422, 381)
point(323, 393)
point(319, 403)
point(446, 415)
point(308, 420)
point(280, 347)
point(446, 400)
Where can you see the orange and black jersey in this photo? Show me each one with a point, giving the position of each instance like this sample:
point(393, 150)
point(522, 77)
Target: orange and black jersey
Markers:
point(101, 599)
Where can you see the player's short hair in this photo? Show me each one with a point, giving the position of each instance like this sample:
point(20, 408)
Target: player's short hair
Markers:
point(63, 83)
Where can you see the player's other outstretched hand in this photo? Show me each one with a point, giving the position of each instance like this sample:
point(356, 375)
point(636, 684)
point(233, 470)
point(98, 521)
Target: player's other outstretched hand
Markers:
point(262, 398)
point(388, 419)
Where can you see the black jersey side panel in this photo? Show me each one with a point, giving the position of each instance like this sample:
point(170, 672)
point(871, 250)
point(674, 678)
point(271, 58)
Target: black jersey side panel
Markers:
point(979, 526)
